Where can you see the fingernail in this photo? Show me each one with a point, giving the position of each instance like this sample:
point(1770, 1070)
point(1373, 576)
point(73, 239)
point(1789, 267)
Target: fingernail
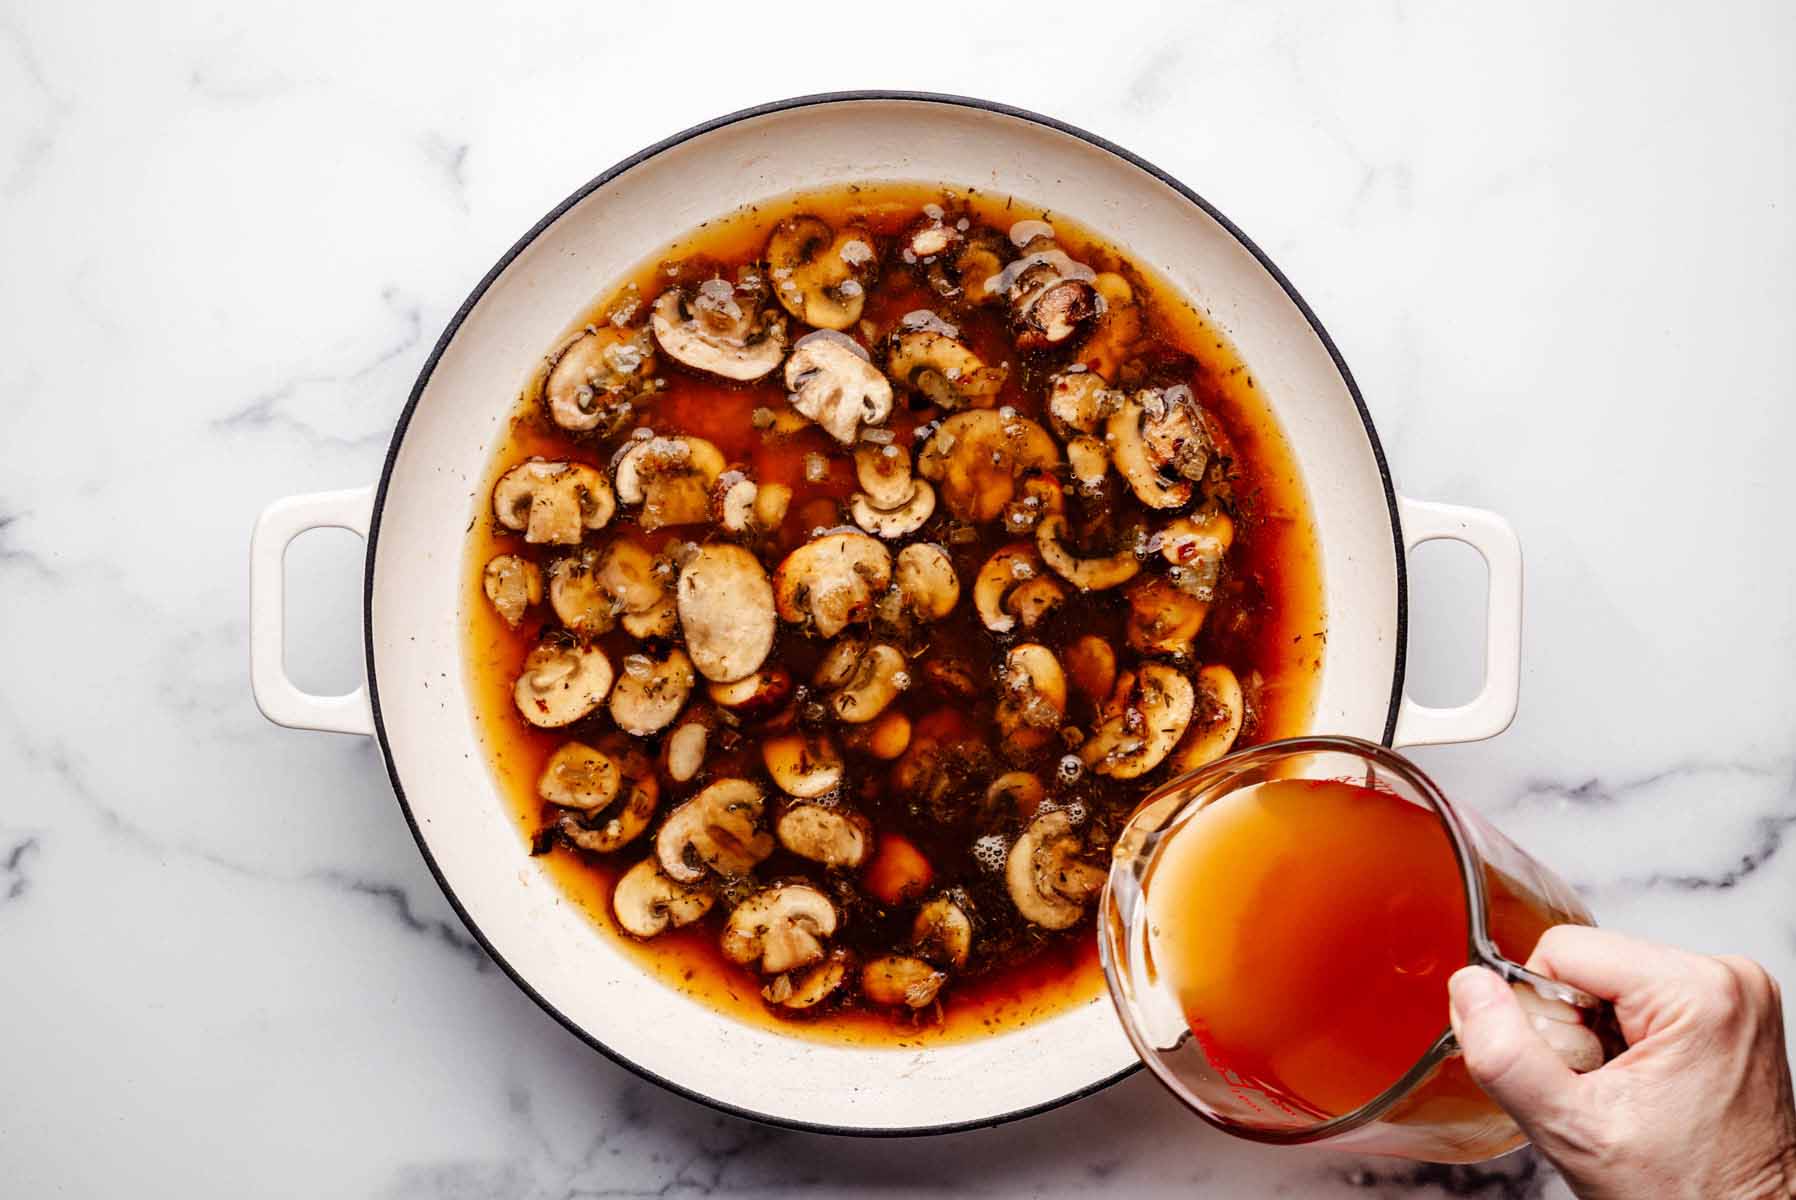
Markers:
point(1473, 988)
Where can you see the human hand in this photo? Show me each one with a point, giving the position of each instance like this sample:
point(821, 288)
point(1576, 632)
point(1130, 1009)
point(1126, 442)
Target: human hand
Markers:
point(1699, 1104)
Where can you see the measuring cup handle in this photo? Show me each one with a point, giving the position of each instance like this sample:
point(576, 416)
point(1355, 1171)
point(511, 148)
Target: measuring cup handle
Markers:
point(1598, 1014)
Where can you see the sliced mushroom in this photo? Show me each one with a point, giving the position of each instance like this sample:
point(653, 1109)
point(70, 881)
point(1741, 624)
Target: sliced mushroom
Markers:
point(771, 502)
point(726, 610)
point(561, 683)
point(627, 573)
point(578, 776)
point(1089, 461)
point(1146, 715)
point(926, 355)
point(553, 503)
point(720, 329)
point(651, 692)
point(926, 581)
point(813, 985)
point(1180, 436)
point(1014, 794)
point(782, 928)
point(1129, 451)
point(838, 664)
point(580, 601)
point(512, 585)
point(1008, 568)
point(879, 677)
point(658, 622)
point(733, 502)
point(884, 473)
point(1031, 697)
point(977, 457)
point(802, 765)
point(670, 477)
point(977, 264)
point(685, 747)
point(595, 380)
point(715, 830)
point(819, 275)
point(626, 822)
point(897, 522)
point(1116, 330)
point(1215, 720)
point(1050, 296)
point(1079, 402)
point(901, 981)
point(1086, 574)
point(885, 737)
point(1196, 547)
point(832, 836)
point(756, 695)
point(1163, 619)
point(1048, 882)
point(648, 903)
point(1091, 664)
point(1038, 496)
point(832, 582)
point(832, 381)
point(942, 933)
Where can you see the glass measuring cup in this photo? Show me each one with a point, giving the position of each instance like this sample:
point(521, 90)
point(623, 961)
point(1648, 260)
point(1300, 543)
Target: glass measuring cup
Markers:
point(1432, 1111)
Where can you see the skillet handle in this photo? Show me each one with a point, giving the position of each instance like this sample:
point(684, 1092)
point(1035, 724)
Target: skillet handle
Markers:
point(1493, 708)
point(280, 700)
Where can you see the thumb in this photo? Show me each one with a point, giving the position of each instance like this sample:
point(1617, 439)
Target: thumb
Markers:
point(1503, 1053)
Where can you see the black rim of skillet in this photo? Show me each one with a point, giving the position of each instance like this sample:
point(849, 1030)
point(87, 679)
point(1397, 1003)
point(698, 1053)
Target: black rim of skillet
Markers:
point(448, 335)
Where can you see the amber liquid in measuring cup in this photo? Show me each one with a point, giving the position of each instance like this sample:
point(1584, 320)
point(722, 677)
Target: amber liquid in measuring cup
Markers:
point(1308, 928)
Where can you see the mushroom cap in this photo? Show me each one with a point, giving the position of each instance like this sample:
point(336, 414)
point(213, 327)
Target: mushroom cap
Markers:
point(1129, 451)
point(832, 582)
point(580, 601)
point(553, 503)
point(879, 677)
point(942, 933)
point(596, 375)
point(896, 522)
point(803, 765)
point(726, 609)
point(1047, 882)
point(901, 981)
point(1031, 696)
point(1216, 719)
point(715, 830)
point(820, 275)
point(811, 986)
point(561, 683)
point(647, 903)
point(926, 581)
point(1148, 712)
point(626, 823)
point(835, 837)
point(1163, 619)
point(670, 477)
point(578, 776)
point(650, 692)
point(782, 927)
point(719, 330)
point(930, 358)
point(1086, 574)
point(976, 456)
point(512, 585)
point(832, 381)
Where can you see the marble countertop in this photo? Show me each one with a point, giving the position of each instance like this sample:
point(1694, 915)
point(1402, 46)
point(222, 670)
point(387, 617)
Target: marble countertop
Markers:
point(1555, 244)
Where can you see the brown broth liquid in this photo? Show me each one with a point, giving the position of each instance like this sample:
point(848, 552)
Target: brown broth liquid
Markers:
point(1267, 623)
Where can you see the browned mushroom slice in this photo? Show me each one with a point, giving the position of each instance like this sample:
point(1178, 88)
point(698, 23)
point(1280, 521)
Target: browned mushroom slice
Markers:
point(1180, 436)
point(720, 329)
point(807, 988)
point(819, 275)
point(650, 692)
point(647, 902)
point(900, 981)
point(1139, 465)
point(594, 381)
point(1048, 882)
point(1116, 332)
point(1013, 586)
point(802, 765)
point(578, 776)
point(1038, 496)
point(1163, 619)
point(885, 737)
point(580, 601)
point(977, 456)
point(1014, 794)
point(831, 380)
point(1031, 697)
point(927, 355)
point(835, 837)
point(553, 502)
point(781, 928)
point(833, 582)
point(626, 823)
point(1050, 296)
point(879, 677)
point(512, 585)
point(561, 683)
point(669, 477)
point(927, 585)
point(756, 695)
point(717, 830)
point(1079, 402)
point(1215, 721)
point(1146, 715)
point(1087, 574)
point(726, 609)
point(1196, 547)
point(942, 933)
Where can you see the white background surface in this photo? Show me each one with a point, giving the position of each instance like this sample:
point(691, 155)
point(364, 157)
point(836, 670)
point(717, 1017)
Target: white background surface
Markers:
point(1555, 247)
